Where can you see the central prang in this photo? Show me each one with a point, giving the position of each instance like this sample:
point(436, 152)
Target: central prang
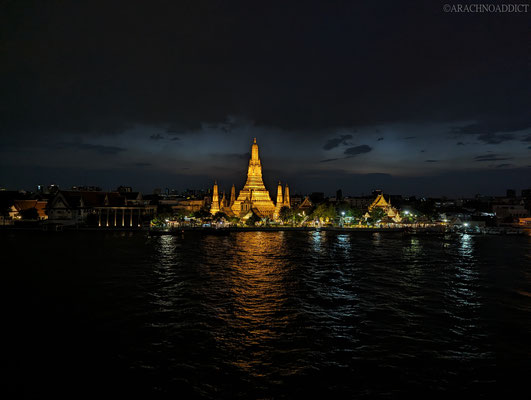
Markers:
point(254, 197)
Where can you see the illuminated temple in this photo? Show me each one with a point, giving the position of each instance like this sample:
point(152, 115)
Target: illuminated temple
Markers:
point(390, 212)
point(254, 198)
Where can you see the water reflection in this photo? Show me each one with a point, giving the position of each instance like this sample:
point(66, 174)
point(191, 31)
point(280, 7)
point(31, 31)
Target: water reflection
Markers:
point(257, 269)
point(415, 247)
point(343, 242)
point(464, 301)
point(466, 245)
point(264, 307)
point(316, 239)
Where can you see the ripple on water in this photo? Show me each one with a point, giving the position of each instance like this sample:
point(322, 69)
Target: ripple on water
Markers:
point(285, 314)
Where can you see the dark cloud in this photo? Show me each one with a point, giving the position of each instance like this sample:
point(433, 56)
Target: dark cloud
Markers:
point(527, 138)
point(432, 161)
point(504, 165)
point(380, 138)
point(496, 138)
point(491, 157)
point(98, 148)
point(239, 156)
point(498, 128)
point(354, 151)
point(142, 164)
point(513, 122)
point(423, 151)
point(460, 143)
point(409, 137)
point(74, 67)
point(158, 136)
point(184, 127)
point(351, 152)
point(335, 142)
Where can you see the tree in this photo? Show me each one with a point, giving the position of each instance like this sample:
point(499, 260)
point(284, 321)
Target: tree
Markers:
point(298, 216)
point(234, 220)
point(355, 213)
point(220, 216)
point(342, 207)
point(158, 222)
point(164, 215)
point(201, 214)
point(285, 214)
point(377, 214)
point(180, 213)
point(324, 211)
point(253, 219)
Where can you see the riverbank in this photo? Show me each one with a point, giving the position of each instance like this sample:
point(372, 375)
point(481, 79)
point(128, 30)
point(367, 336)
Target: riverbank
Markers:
point(227, 230)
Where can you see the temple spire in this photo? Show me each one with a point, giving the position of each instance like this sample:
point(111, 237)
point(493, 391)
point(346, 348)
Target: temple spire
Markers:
point(280, 202)
point(232, 195)
point(214, 207)
point(254, 152)
point(279, 194)
point(223, 203)
point(286, 197)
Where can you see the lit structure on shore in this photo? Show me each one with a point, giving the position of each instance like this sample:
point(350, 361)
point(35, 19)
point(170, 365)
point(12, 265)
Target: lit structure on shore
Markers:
point(214, 207)
point(391, 213)
point(254, 197)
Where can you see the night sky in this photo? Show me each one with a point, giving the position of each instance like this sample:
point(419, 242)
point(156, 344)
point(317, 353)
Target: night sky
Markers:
point(399, 96)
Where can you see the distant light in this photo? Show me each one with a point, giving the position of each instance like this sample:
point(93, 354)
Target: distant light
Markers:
point(407, 212)
point(167, 220)
point(465, 224)
point(342, 212)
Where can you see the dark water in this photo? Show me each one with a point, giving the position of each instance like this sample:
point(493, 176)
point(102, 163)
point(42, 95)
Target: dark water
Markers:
point(265, 314)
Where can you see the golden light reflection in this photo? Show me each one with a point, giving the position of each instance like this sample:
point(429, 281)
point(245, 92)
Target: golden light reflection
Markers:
point(376, 239)
point(257, 279)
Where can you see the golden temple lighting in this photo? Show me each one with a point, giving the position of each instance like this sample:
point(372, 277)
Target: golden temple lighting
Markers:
point(254, 197)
